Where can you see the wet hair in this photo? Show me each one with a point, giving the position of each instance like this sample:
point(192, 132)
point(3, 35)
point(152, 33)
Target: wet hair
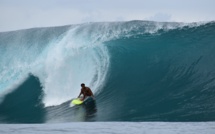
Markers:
point(82, 84)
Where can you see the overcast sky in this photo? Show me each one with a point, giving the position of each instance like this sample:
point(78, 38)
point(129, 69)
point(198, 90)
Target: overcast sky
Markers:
point(22, 14)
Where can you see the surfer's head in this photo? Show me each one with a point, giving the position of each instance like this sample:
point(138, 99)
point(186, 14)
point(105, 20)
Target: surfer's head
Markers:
point(82, 85)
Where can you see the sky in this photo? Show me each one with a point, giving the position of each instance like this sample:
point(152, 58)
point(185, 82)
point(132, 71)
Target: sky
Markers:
point(22, 14)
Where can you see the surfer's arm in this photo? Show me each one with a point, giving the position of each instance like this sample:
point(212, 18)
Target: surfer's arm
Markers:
point(80, 94)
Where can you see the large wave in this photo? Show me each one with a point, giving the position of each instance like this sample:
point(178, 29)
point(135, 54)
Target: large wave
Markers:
point(139, 70)
point(61, 59)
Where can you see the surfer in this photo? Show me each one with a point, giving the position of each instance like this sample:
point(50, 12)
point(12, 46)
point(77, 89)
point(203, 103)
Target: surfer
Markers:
point(86, 91)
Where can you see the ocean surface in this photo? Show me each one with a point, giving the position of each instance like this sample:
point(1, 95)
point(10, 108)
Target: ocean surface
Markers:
point(139, 71)
point(111, 128)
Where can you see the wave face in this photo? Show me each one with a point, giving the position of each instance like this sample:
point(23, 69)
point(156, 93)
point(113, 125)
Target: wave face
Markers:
point(138, 70)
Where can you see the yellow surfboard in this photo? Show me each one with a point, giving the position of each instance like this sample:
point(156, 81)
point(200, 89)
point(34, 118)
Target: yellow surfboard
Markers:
point(77, 101)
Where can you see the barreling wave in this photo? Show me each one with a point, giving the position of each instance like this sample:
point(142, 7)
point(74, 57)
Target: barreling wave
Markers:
point(61, 58)
point(139, 71)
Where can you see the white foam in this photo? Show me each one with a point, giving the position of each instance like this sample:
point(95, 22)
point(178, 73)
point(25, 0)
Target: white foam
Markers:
point(69, 62)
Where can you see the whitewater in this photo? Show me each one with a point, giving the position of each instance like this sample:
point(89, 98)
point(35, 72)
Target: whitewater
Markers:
point(59, 62)
point(147, 77)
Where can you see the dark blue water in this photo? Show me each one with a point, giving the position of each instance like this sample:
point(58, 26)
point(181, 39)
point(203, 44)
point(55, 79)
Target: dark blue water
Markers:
point(138, 70)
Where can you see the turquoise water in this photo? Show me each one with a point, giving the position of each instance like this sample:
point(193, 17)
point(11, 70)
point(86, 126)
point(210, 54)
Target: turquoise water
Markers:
point(138, 70)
